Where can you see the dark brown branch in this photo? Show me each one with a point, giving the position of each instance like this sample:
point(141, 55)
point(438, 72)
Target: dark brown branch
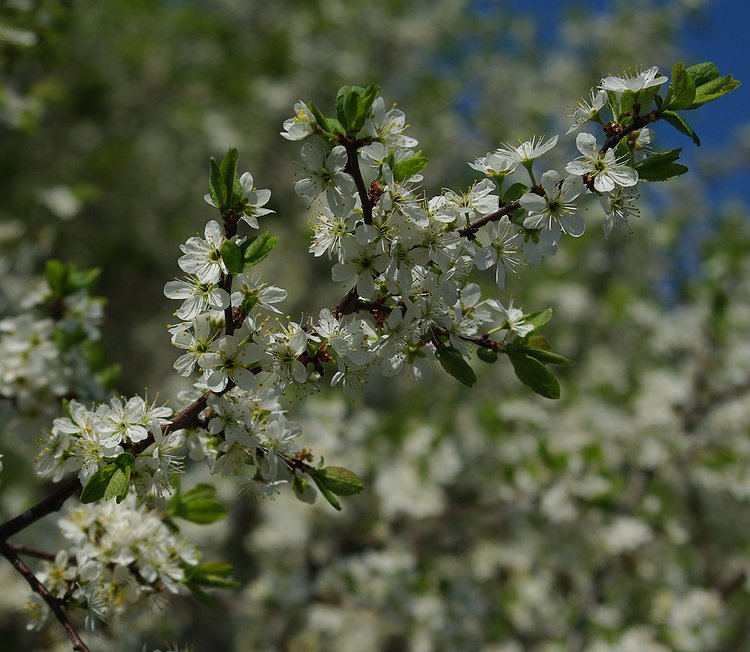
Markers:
point(33, 552)
point(51, 503)
point(352, 167)
point(54, 604)
point(638, 123)
point(469, 232)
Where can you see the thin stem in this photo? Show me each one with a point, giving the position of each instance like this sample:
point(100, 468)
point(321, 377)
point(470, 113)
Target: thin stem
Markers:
point(54, 604)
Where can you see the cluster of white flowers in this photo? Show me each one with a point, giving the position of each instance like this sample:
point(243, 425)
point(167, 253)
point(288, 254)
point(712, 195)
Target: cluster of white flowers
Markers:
point(42, 350)
point(120, 559)
point(405, 263)
point(86, 439)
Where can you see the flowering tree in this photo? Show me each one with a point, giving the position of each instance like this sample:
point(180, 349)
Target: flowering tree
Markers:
point(406, 266)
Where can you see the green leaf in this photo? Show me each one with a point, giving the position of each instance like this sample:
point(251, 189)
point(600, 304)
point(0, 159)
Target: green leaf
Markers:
point(408, 167)
point(487, 355)
point(453, 362)
point(681, 92)
point(324, 490)
point(55, 272)
point(230, 178)
point(216, 187)
point(341, 481)
point(199, 505)
point(661, 167)
point(547, 357)
point(118, 485)
point(533, 373)
point(702, 73)
point(319, 117)
point(125, 461)
point(97, 484)
point(353, 104)
point(515, 192)
point(538, 319)
point(258, 248)
point(713, 90)
point(214, 573)
point(231, 254)
point(679, 123)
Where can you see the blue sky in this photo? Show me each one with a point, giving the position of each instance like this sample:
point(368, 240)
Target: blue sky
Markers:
point(720, 36)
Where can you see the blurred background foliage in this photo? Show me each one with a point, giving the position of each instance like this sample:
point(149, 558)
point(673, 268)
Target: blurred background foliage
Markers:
point(494, 520)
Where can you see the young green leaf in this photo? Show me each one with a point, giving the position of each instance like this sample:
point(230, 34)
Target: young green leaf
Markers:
point(199, 505)
point(97, 484)
point(231, 254)
point(702, 73)
point(453, 362)
point(324, 490)
point(681, 91)
point(408, 167)
point(533, 373)
point(713, 90)
point(341, 481)
point(230, 179)
point(258, 248)
point(679, 123)
point(538, 319)
point(515, 192)
point(487, 355)
point(661, 167)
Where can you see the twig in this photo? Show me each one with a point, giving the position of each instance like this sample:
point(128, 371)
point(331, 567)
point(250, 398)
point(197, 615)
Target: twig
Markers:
point(41, 590)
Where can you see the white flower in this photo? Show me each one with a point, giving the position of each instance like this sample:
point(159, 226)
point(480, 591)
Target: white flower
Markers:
point(198, 297)
point(229, 360)
point(388, 126)
point(587, 110)
point(365, 264)
point(253, 201)
point(301, 125)
point(203, 257)
point(619, 206)
point(325, 174)
point(330, 232)
point(644, 79)
point(278, 439)
point(605, 170)
point(249, 291)
point(495, 164)
point(511, 321)
point(502, 250)
point(196, 338)
point(288, 346)
point(479, 201)
point(557, 209)
point(527, 151)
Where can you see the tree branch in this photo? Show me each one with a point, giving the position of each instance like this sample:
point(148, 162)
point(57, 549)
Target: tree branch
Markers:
point(54, 604)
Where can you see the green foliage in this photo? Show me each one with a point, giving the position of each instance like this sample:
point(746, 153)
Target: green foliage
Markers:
point(64, 279)
point(231, 254)
point(408, 167)
point(256, 248)
point(661, 167)
point(224, 183)
point(214, 574)
point(335, 481)
point(111, 481)
point(532, 372)
point(199, 505)
point(454, 363)
point(353, 104)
